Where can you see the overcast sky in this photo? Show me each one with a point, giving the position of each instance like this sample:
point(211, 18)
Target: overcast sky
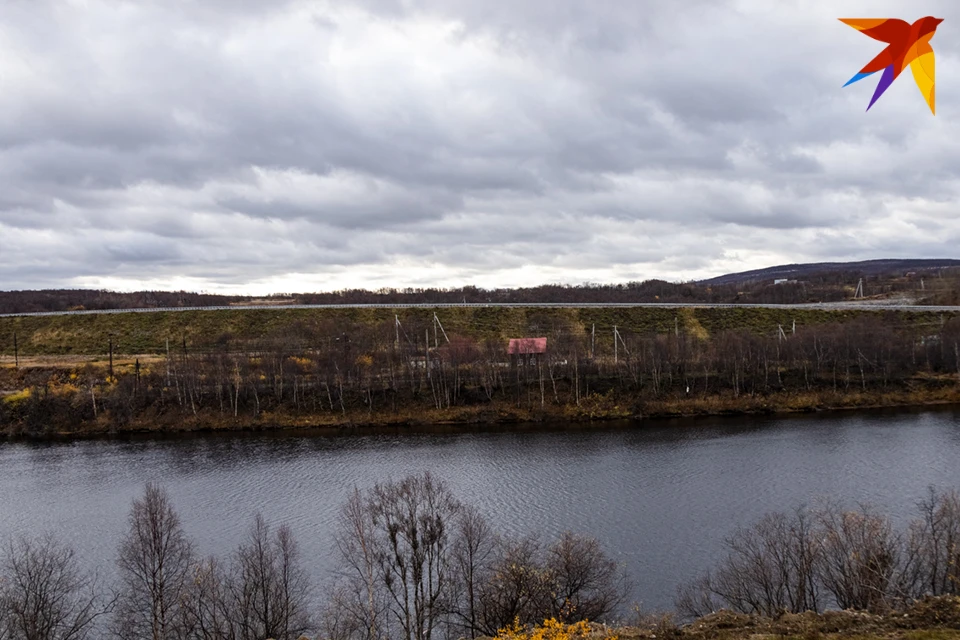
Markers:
point(246, 146)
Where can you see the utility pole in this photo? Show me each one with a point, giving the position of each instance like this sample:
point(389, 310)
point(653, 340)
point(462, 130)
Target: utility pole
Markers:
point(437, 320)
point(794, 330)
point(397, 328)
point(111, 357)
point(859, 292)
point(426, 345)
point(618, 337)
point(593, 338)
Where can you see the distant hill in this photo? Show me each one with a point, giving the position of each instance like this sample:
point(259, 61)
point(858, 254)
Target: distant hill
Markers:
point(809, 270)
point(814, 282)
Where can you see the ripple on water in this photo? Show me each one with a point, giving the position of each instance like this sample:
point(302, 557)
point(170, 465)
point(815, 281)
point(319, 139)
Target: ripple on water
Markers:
point(660, 498)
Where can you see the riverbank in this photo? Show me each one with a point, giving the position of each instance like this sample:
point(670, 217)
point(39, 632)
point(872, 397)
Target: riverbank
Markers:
point(348, 368)
point(943, 391)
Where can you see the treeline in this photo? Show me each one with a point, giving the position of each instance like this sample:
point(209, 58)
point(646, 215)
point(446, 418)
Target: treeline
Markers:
point(46, 300)
point(413, 563)
point(361, 371)
point(812, 559)
point(648, 291)
point(942, 287)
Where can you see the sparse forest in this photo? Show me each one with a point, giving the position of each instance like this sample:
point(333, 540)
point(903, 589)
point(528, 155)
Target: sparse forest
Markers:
point(392, 372)
point(413, 562)
point(811, 559)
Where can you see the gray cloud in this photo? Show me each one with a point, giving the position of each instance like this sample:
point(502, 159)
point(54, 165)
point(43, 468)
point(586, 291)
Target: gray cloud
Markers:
point(240, 145)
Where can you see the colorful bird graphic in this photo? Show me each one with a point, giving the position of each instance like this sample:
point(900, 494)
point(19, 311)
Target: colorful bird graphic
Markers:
point(906, 44)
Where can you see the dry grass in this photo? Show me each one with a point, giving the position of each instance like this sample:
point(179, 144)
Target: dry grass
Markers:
point(930, 619)
point(932, 390)
point(77, 361)
point(148, 332)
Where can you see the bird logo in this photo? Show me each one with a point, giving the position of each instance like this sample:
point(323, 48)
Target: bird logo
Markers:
point(906, 44)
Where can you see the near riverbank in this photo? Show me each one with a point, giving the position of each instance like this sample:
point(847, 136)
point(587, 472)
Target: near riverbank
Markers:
point(927, 619)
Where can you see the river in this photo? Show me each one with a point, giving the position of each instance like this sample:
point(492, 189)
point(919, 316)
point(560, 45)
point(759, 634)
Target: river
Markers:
point(660, 496)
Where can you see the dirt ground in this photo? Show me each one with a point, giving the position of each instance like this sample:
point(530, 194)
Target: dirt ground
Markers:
point(73, 361)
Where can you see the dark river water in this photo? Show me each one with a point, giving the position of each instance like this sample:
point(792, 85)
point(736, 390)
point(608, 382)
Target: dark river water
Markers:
point(660, 496)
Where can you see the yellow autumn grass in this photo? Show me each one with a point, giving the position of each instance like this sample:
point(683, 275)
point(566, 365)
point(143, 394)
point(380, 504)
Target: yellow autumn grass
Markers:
point(17, 397)
point(552, 629)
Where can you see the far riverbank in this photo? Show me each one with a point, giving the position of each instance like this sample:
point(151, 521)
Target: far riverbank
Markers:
point(596, 409)
point(320, 371)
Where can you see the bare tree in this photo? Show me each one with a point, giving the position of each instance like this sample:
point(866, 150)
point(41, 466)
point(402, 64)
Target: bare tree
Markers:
point(154, 560)
point(357, 606)
point(516, 589)
point(585, 583)
point(770, 569)
point(343, 615)
point(934, 544)
point(395, 544)
point(207, 612)
point(473, 552)
point(269, 589)
point(697, 598)
point(414, 520)
point(860, 558)
point(44, 595)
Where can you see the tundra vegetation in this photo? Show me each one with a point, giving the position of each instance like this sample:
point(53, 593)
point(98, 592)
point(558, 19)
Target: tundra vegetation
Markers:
point(350, 367)
point(413, 562)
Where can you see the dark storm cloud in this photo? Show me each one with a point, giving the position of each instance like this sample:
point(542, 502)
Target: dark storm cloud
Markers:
point(277, 146)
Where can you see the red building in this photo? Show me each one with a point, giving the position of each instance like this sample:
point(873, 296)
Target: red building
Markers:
point(527, 349)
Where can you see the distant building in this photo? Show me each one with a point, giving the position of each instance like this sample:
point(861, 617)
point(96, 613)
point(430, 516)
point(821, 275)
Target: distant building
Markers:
point(526, 349)
point(784, 281)
point(526, 346)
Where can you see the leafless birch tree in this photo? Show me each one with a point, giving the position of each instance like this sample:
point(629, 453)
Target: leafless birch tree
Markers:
point(44, 595)
point(155, 559)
